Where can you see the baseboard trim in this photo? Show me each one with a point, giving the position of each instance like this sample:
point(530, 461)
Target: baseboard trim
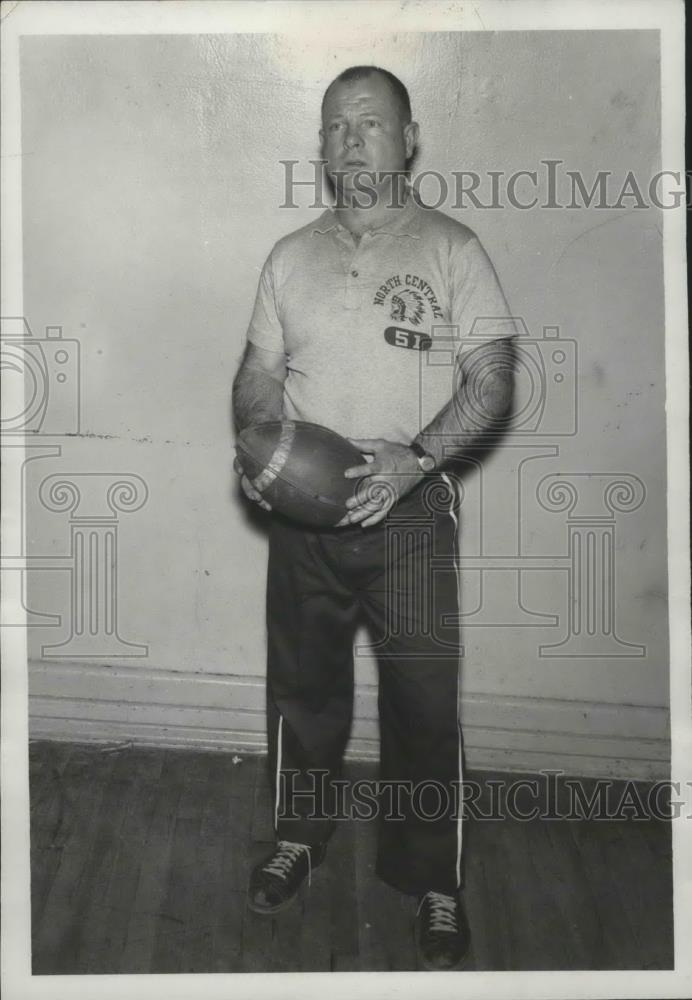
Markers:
point(225, 712)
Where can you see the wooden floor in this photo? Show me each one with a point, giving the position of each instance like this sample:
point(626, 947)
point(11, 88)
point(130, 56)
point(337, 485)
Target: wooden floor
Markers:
point(140, 859)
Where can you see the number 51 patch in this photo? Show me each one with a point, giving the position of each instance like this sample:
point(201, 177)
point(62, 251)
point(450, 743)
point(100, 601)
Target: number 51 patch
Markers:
point(397, 336)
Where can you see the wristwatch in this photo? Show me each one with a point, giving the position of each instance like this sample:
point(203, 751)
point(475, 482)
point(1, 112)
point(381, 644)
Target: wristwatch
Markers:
point(426, 461)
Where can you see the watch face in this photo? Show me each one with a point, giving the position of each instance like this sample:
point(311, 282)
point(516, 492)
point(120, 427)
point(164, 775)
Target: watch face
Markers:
point(427, 463)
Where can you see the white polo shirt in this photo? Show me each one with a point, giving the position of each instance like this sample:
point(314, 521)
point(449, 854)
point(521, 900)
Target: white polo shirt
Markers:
point(371, 330)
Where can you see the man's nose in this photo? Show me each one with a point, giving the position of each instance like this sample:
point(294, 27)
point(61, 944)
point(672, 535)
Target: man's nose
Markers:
point(352, 137)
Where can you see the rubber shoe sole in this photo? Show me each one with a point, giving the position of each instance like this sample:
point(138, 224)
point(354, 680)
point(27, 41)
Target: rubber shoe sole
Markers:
point(268, 911)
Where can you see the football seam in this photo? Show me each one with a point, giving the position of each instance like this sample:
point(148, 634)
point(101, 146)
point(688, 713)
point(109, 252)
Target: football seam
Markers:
point(326, 502)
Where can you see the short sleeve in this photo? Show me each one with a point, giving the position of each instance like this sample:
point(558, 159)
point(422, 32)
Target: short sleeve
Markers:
point(478, 307)
point(265, 328)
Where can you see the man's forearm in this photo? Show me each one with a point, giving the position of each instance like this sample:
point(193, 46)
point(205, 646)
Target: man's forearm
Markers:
point(480, 405)
point(257, 397)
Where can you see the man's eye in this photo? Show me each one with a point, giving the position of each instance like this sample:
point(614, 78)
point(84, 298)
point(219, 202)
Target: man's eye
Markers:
point(335, 126)
point(372, 122)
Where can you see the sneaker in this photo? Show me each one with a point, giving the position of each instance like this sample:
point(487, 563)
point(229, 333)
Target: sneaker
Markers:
point(274, 882)
point(443, 936)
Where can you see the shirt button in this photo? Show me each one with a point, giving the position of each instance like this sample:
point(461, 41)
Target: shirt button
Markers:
point(354, 274)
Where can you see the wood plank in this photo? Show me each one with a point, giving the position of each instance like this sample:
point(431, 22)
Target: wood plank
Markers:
point(596, 873)
point(343, 921)
point(284, 952)
point(656, 839)
point(47, 763)
point(212, 877)
point(102, 948)
point(316, 923)
point(262, 830)
point(60, 829)
point(90, 942)
point(95, 802)
point(545, 936)
point(242, 771)
point(539, 934)
point(570, 935)
point(228, 930)
point(385, 916)
point(487, 896)
point(645, 889)
point(147, 905)
point(238, 855)
point(256, 940)
point(562, 871)
point(169, 945)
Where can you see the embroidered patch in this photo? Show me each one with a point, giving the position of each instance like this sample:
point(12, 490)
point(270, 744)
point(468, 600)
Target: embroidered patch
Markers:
point(397, 336)
point(407, 307)
point(408, 298)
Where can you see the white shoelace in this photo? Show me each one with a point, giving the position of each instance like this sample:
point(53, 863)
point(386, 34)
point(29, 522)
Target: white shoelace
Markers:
point(443, 911)
point(287, 854)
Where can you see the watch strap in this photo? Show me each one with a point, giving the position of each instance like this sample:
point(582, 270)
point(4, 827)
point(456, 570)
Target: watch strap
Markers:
point(424, 457)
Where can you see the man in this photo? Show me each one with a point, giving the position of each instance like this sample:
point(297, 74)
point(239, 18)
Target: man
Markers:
point(347, 310)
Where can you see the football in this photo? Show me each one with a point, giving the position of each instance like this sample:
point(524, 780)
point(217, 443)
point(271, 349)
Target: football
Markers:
point(298, 468)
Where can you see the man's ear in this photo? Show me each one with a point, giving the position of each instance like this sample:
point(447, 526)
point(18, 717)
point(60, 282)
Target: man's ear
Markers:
point(411, 135)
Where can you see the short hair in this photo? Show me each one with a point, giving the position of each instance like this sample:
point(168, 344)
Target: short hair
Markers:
point(400, 92)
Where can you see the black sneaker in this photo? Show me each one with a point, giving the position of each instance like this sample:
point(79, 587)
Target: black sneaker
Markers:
point(274, 882)
point(443, 936)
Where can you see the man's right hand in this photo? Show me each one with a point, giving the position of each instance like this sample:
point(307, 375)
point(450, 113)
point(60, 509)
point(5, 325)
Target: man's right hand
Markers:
point(248, 489)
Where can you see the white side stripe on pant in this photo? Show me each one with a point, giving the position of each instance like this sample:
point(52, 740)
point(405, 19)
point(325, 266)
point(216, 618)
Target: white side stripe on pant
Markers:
point(460, 765)
point(278, 772)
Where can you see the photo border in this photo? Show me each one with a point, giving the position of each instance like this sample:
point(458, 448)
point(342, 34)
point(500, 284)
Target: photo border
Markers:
point(310, 19)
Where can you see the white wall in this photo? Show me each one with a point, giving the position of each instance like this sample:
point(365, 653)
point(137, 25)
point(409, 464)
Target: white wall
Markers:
point(151, 188)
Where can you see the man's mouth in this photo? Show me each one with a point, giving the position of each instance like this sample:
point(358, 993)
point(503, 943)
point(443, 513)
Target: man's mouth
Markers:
point(359, 164)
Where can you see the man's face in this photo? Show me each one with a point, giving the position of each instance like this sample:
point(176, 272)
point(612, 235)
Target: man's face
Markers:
point(362, 131)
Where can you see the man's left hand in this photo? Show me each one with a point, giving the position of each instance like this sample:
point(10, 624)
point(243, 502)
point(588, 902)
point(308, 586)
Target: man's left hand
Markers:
point(390, 475)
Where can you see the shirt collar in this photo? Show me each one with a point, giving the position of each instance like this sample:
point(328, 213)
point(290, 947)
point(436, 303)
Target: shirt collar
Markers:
point(406, 222)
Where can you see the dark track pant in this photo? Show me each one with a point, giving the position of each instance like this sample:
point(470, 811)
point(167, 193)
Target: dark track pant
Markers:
point(401, 576)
